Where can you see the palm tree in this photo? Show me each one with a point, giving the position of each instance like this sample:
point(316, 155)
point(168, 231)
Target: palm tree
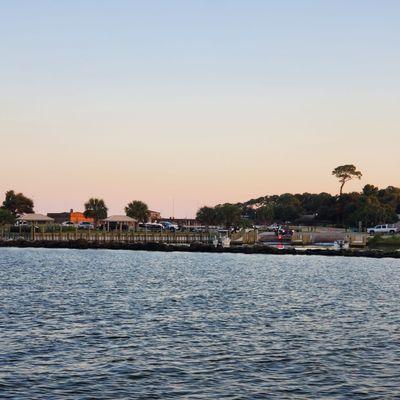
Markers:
point(96, 209)
point(137, 209)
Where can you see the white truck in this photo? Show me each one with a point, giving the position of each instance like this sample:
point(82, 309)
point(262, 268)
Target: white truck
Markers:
point(386, 228)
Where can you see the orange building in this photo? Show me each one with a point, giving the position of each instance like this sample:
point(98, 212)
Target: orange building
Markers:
point(75, 217)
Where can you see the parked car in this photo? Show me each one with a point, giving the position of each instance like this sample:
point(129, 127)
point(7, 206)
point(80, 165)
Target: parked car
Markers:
point(169, 226)
point(151, 226)
point(386, 228)
point(68, 223)
point(85, 225)
point(196, 229)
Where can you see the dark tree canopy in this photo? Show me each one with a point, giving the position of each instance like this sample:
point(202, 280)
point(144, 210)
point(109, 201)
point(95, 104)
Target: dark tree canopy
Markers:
point(207, 216)
point(390, 196)
point(17, 203)
point(229, 215)
point(264, 214)
point(287, 207)
point(6, 217)
point(346, 173)
point(137, 209)
point(370, 190)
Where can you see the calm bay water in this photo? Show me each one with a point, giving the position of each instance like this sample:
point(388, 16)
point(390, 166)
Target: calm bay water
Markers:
point(137, 325)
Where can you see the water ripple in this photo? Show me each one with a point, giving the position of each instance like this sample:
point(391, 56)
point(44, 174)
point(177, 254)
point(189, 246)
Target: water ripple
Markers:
point(135, 325)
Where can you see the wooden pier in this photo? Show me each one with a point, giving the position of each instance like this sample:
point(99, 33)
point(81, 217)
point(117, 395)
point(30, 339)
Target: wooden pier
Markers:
point(115, 236)
point(307, 238)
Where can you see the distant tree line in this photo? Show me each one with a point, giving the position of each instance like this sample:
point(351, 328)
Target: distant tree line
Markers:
point(370, 207)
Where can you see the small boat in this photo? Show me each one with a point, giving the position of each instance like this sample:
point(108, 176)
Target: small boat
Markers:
point(341, 245)
point(225, 242)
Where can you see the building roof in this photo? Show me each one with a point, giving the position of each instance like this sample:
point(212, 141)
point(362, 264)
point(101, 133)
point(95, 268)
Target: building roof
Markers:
point(36, 218)
point(59, 214)
point(120, 218)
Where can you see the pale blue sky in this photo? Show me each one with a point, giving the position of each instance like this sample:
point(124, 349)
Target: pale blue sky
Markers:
point(195, 100)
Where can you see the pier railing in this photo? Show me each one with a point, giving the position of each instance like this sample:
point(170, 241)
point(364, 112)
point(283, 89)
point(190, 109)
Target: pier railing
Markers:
point(105, 237)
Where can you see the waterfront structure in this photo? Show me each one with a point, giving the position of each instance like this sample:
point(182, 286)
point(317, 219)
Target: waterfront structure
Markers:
point(118, 222)
point(72, 216)
point(33, 219)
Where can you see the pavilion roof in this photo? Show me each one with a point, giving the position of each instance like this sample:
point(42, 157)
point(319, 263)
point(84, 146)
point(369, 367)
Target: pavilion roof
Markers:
point(35, 218)
point(120, 218)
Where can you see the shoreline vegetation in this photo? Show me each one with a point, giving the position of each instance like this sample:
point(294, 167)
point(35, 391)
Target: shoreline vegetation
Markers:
point(195, 247)
point(353, 210)
point(301, 219)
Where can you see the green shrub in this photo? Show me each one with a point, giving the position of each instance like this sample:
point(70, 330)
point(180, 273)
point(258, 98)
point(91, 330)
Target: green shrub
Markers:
point(384, 241)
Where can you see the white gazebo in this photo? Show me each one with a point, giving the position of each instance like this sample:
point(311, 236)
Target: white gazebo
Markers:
point(36, 219)
point(120, 220)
